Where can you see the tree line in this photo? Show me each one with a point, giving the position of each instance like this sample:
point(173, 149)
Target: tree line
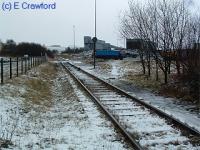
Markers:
point(69, 50)
point(174, 33)
point(10, 48)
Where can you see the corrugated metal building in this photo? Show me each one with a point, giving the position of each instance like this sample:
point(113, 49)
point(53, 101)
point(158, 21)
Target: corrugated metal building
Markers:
point(100, 44)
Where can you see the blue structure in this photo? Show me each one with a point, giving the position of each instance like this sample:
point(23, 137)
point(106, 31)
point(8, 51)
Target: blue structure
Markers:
point(109, 54)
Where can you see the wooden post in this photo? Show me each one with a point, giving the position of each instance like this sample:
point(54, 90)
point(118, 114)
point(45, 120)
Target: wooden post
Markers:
point(22, 66)
point(17, 67)
point(31, 62)
point(25, 65)
point(10, 68)
point(28, 58)
point(1, 70)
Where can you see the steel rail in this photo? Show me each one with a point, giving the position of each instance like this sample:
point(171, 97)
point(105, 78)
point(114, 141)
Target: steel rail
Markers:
point(127, 136)
point(177, 123)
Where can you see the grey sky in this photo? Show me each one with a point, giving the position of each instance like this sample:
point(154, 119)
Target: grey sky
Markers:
point(56, 26)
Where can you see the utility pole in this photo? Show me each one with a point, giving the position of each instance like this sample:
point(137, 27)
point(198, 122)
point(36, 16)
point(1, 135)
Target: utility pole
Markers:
point(74, 38)
point(95, 18)
point(95, 36)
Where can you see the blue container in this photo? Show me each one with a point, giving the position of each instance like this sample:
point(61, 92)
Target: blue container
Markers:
point(108, 54)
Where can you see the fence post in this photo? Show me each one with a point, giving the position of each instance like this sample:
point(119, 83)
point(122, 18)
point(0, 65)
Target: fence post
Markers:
point(25, 65)
point(28, 63)
point(17, 67)
point(22, 65)
point(1, 70)
point(31, 62)
point(10, 68)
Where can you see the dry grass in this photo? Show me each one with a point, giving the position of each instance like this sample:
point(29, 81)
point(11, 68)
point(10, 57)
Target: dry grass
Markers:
point(143, 81)
point(174, 88)
point(105, 66)
point(136, 76)
point(38, 91)
point(39, 83)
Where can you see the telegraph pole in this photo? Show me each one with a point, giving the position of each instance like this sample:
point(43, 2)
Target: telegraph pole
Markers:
point(74, 38)
point(95, 17)
point(95, 36)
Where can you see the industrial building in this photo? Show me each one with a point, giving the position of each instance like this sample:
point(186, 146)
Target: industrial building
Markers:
point(100, 44)
point(140, 44)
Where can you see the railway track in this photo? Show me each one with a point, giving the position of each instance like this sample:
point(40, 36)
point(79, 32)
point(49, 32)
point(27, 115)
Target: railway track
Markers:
point(143, 125)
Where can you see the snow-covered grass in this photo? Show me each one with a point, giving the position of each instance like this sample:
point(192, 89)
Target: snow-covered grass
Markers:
point(45, 109)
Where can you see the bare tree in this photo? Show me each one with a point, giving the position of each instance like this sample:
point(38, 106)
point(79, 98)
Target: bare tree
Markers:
point(163, 22)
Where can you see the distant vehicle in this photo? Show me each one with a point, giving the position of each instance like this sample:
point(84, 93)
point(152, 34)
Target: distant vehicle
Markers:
point(109, 54)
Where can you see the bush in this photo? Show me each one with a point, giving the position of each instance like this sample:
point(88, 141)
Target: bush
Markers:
point(31, 49)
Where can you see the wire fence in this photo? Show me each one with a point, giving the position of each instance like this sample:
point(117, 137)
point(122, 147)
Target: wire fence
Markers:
point(13, 67)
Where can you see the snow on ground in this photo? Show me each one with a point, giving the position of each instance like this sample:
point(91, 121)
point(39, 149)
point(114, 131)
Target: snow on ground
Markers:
point(151, 131)
point(68, 120)
point(113, 73)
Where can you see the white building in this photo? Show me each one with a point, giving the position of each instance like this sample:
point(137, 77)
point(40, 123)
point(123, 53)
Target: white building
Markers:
point(56, 47)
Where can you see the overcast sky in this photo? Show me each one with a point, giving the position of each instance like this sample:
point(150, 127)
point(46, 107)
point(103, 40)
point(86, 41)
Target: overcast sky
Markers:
point(55, 27)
